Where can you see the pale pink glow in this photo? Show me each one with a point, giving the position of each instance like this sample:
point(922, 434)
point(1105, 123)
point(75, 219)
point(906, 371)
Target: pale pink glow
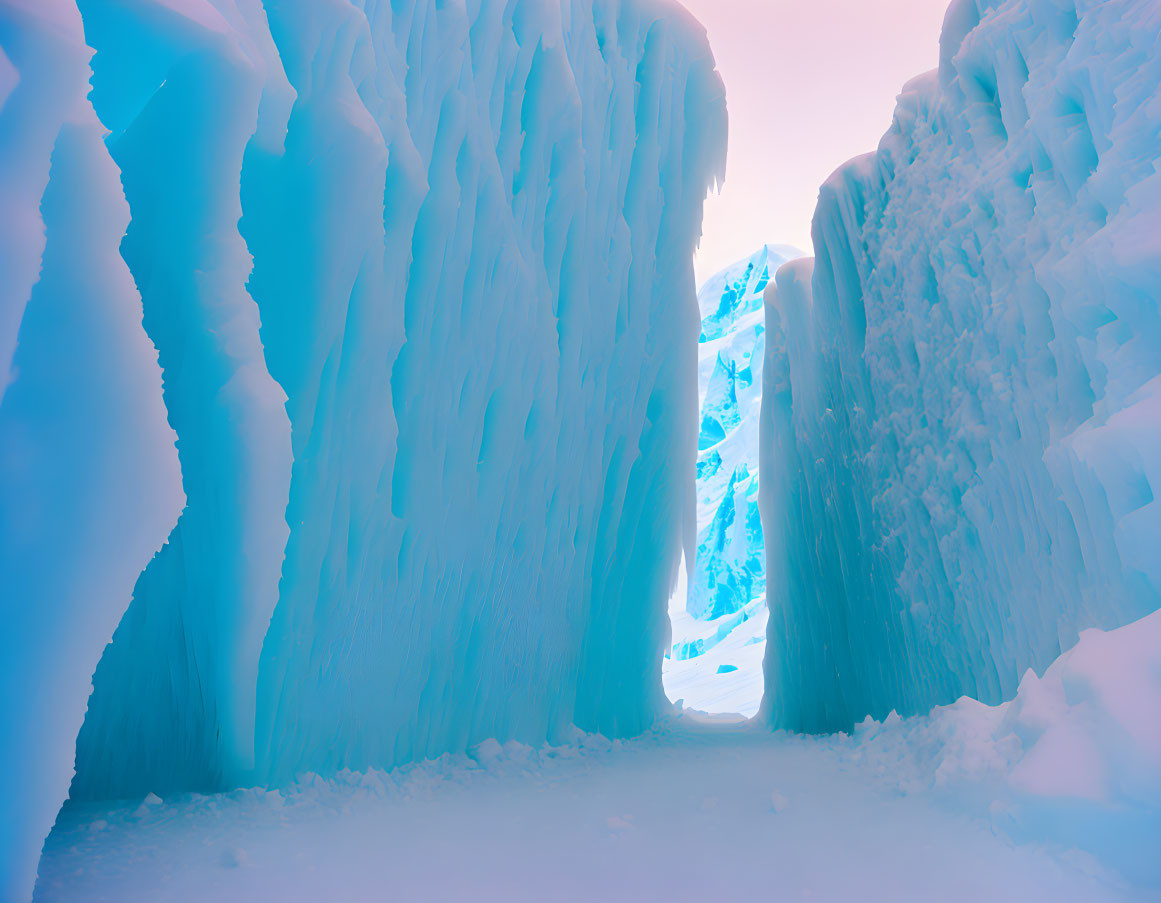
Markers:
point(809, 84)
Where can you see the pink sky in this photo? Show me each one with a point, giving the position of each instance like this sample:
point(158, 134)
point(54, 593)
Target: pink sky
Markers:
point(809, 84)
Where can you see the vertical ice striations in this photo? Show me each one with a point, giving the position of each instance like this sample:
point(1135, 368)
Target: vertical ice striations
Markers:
point(419, 275)
point(174, 693)
point(960, 436)
point(89, 478)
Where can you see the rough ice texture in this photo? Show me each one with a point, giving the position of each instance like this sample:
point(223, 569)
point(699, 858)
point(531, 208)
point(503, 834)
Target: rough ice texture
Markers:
point(728, 567)
point(419, 278)
point(89, 478)
point(961, 437)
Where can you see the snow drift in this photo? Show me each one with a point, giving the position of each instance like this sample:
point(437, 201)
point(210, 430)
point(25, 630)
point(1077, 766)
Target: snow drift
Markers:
point(418, 276)
point(961, 436)
point(1073, 760)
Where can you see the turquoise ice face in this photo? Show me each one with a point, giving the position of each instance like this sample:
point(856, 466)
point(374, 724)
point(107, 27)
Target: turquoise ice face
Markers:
point(376, 319)
point(729, 571)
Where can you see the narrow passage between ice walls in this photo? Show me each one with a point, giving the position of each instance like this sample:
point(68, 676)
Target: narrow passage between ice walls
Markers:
point(351, 389)
point(718, 611)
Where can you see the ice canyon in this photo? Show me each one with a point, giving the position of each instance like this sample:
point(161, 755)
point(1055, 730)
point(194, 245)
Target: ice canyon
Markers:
point(361, 423)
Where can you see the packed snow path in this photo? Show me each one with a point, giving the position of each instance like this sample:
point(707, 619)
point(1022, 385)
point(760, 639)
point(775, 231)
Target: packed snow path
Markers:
point(687, 812)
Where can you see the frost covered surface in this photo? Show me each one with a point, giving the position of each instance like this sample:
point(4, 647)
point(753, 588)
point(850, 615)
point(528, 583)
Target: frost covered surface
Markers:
point(418, 276)
point(680, 814)
point(962, 426)
point(89, 479)
point(722, 608)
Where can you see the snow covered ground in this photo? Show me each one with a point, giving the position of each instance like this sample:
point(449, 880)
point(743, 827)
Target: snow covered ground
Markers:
point(727, 678)
point(686, 812)
point(1055, 795)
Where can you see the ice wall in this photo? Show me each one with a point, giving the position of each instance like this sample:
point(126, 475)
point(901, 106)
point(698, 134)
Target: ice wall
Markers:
point(89, 478)
point(961, 434)
point(418, 277)
point(470, 228)
point(174, 694)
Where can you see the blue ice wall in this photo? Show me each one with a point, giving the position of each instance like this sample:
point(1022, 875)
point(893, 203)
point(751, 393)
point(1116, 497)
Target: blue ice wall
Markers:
point(459, 374)
point(418, 279)
point(961, 433)
point(174, 693)
point(89, 478)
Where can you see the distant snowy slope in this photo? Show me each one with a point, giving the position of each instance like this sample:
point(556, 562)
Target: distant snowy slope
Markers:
point(961, 446)
point(723, 608)
point(419, 278)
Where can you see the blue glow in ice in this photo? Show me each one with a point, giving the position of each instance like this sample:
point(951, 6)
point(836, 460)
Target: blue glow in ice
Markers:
point(419, 279)
point(962, 412)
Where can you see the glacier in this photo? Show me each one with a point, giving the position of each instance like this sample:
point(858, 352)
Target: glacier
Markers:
point(721, 606)
point(962, 405)
point(359, 416)
point(406, 291)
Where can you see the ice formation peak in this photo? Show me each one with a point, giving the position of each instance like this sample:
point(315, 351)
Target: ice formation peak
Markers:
point(737, 290)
